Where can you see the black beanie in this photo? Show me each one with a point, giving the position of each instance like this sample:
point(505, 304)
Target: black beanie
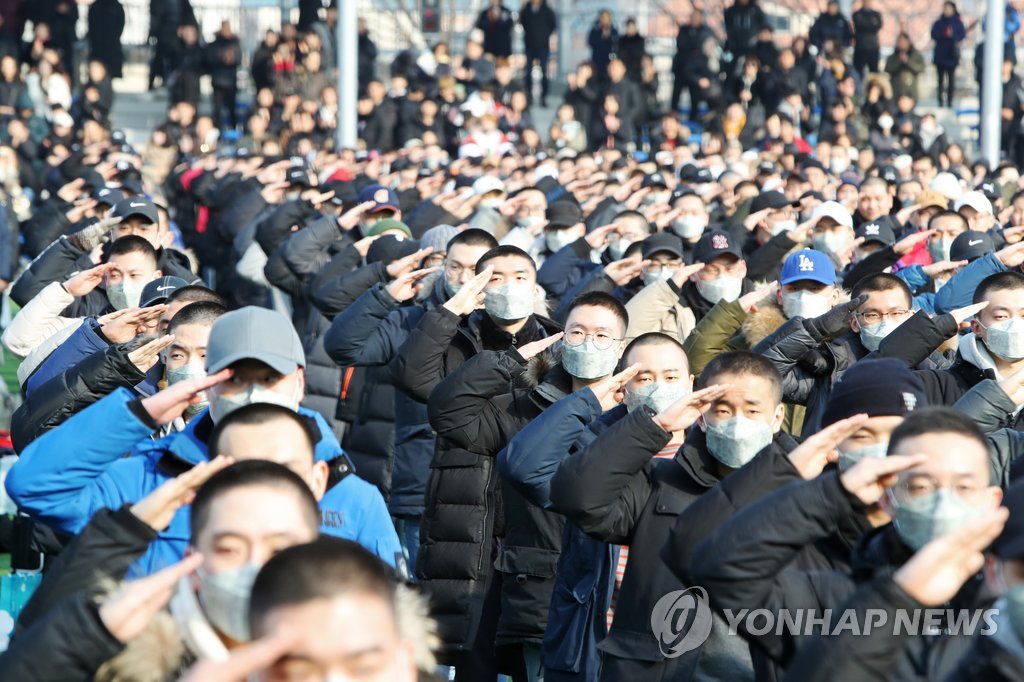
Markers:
point(877, 388)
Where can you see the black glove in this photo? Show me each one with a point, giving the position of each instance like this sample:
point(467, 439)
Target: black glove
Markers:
point(834, 322)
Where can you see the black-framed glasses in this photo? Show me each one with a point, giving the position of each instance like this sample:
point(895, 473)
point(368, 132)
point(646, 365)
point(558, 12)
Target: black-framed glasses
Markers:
point(875, 318)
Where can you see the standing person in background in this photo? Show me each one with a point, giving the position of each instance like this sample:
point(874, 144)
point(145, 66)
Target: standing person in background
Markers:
point(367, 56)
point(106, 23)
point(496, 22)
point(744, 19)
point(166, 19)
point(831, 27)
point(539, 24)
point(632, 48)
point(225, 55)
point(690, 62)
point(603, 41)
point(867, 23)
point(904, 66)
point(948, 32)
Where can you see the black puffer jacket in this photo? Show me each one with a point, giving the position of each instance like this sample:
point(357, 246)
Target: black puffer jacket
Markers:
point(476, 415)
point(615, 492)
point(461, 491)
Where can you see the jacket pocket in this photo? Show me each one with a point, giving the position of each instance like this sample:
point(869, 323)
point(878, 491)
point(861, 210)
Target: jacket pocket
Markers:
point(527, 561)
point(670, 503)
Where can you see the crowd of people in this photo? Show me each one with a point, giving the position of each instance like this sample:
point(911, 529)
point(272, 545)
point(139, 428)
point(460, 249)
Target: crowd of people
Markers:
point(475, 399)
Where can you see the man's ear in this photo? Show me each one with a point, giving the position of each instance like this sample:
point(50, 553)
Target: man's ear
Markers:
point(780, 416)
point(318, 481)
point(701, 423)
point(158, 274)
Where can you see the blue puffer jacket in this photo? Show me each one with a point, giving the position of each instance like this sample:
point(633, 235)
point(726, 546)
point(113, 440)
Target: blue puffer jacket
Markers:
point(369, 333)
point(586, 567)
point(85, 341)
point(959, 290)
point(69, 473)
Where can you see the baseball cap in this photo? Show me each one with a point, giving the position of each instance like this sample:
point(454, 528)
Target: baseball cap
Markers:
point(946, 184)
point(990, 190)
point(384, 199)
point(970, 245)
point(975, 200)
point(833, 210)
point(654, 180)
point(808, 264)
point(878, 388)
point(662, 241)
point(714, 244)
point(932, 199)
point(877, 231)
point(693, 174)
point(390, 248)
point(1010, 543)
point(159, 290)
point(140, 206)
point(254, 333)
point(107, 195)
point(563, 213)
point(385, 225)
point(772, 200)
point(486, 184)
point(889, 174)
point(298, 176)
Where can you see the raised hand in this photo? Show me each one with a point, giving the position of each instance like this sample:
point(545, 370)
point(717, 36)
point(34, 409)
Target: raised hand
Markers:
point(609, 390)
point(942, 267)
point(1013, 387)
point(133, 322)
point(867, 479)
point(811, 456)
point(71, 190)
point(405, 286)
point(81, 283)
point(129, 610)
point(910, 242)
point(749, 301)
point(623, 271)
point(598, 237)
point(145, 357)
point(350, 218)
point(1011, 256)
point(837, 320)
point(938, 570)
point(681, 414)
point(170, 403)
point(683, 273)
point(471, 296)
point(408, 263)
point(245, 661)
point(535, 348)
point(273, 192)
point(961, 315)
point(158, 508)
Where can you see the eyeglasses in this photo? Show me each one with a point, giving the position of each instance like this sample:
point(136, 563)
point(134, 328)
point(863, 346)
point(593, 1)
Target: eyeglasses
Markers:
point(874, 318)
point(577, 337)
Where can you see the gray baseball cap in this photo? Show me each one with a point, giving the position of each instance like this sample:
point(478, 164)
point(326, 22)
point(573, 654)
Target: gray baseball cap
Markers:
point(254, 333)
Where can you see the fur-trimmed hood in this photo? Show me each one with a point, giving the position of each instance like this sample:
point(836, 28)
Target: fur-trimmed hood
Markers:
point(769, 317)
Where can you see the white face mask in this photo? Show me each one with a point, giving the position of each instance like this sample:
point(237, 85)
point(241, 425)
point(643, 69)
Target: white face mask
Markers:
point(556, 240)
point(225, 599)
point(723, 288)
point(617, 249)
point(656, 395)
point(662, 275)
point(1006, 339)
point(223, 405)
point(830, 242)
point(690, 226)
point(780, 226)
point(885, 122)
point(125, 294)
point(735, 441)
point(806, 304)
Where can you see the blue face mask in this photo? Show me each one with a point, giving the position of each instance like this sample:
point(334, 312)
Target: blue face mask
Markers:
point(735, 441)
point(926, 517)
point(509, 302)
point(587, 361)
point(184, 373)
point(851, 457)
point(656, 395)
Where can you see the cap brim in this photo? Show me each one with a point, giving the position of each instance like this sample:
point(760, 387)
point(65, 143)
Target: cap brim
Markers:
point(156, 300)
point(278, 363)
point(131, 214)
point(820, 279)
point(383, 207)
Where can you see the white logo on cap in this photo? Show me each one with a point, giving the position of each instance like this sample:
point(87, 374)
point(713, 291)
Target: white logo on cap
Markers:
point(974, 242)
point(381, 196)
point(909, 401)
point(164, 288)
point(132, 204)
point(871, 229)
point(806, 264)
point(719, 241)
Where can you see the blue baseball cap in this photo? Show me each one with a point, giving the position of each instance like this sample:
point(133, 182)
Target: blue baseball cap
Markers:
point(384, 198)
point(808, 264)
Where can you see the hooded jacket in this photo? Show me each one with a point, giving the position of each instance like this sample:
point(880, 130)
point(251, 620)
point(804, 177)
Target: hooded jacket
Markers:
point(475, 416)
point(65, 490)
point(368, 333)
point(616, 493)
point(745, 565)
